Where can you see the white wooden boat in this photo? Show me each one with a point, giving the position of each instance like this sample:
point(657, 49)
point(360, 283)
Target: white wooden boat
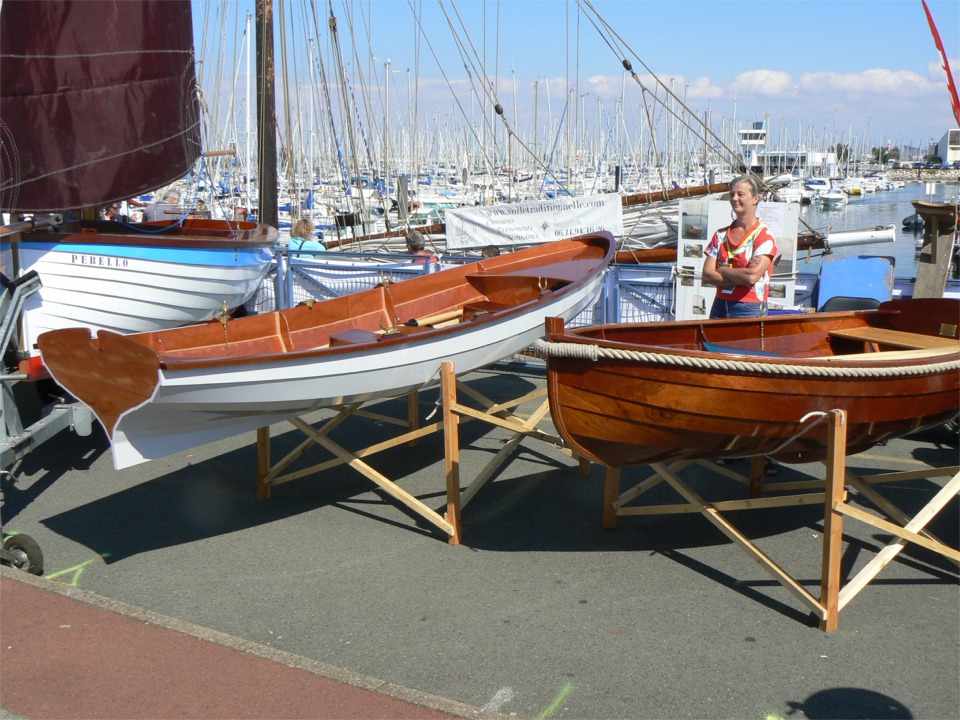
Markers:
point(161, 392)
point(80, 135)
point(111, 276)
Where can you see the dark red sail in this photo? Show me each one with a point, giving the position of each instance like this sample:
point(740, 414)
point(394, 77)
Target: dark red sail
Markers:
point(98, 100)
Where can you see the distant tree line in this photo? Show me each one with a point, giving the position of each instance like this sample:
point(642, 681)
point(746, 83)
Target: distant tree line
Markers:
point(878, 155)
point(881, 155)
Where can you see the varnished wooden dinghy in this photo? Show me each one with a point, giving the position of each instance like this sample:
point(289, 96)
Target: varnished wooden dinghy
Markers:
point(640, 393)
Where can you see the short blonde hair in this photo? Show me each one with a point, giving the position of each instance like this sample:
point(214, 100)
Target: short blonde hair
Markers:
point(302, 228)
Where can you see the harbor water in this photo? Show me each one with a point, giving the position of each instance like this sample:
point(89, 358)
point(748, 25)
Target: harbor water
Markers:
point(887, 207)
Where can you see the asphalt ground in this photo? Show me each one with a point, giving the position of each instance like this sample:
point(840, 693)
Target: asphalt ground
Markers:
point(540, 612)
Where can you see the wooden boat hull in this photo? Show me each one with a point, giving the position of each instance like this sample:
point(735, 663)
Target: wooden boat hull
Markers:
point(158, 393)
point(106, 276)
point(681, 402)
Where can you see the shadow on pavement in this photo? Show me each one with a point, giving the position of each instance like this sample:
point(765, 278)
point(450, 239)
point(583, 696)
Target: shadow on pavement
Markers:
point(219, 495)
point(850, 704)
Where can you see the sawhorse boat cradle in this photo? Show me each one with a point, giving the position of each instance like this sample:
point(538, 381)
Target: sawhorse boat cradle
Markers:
point(834, 595)
point(501, 414)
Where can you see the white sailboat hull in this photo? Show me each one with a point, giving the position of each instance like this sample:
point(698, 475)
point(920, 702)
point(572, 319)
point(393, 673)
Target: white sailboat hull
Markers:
point(129, 288)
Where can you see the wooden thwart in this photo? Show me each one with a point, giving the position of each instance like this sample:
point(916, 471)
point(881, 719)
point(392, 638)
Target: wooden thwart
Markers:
point(882, 356)
point(896, 338)
point(834, 595)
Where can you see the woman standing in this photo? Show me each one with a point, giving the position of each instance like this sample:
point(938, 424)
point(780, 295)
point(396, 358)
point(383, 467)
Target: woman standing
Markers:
point(739, 262)
point(740, 257)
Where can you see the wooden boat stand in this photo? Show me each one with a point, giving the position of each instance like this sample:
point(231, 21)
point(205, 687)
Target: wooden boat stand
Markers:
point(833, 595)
point(500, 414)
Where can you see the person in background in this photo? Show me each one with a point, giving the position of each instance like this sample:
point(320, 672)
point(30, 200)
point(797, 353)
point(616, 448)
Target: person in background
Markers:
point(163, 210)
point(302, 240)
point(417, 245)
point(490, 251)
point(740, 257)
point(112, 211)
point(132, 209)
point(739, 261)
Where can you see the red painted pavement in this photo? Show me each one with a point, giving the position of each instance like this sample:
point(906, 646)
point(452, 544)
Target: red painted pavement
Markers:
point(62, 657)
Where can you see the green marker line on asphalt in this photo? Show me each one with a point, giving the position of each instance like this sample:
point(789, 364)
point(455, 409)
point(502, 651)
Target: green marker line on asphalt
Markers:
point(552, 708)
point(76, 571)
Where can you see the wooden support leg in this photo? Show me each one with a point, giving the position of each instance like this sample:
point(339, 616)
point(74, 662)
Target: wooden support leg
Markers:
point(714, 515)
point(909, 533)
point(583, 465)
point(833, 520)
point(451, 441)
point(611, 492)
point(263, 462)
point(757, 468)
point(413, 415)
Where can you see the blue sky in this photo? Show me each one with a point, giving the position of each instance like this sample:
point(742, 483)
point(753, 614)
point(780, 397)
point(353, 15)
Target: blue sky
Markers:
point(838, 67)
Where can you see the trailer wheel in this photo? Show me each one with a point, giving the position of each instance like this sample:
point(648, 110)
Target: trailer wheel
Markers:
point(23, 553)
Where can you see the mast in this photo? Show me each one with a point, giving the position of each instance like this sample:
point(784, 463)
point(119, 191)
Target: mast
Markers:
point(246, 157)
point(386, 151)
point(266, 120)
point(536, 128)
point(313, 125)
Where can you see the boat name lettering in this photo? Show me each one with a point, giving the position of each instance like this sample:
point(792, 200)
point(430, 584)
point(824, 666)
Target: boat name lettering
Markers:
point(99, 260)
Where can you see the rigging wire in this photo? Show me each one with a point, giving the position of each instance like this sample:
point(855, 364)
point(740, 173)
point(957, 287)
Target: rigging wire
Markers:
point(343, 85)
point(621, 50)
point(614, 37)
point(334, 137)
point(491, 96)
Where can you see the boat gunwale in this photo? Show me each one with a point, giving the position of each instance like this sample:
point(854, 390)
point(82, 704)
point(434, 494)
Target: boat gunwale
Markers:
point(594, 335)
point(391, 341)
point(190, 234)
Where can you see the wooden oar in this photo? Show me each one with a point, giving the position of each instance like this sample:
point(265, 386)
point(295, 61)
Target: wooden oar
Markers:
point(436, 319)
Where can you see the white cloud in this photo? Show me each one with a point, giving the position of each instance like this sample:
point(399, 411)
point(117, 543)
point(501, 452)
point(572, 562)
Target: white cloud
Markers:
point(702, 88)
point(604, 85)
point(936, 71)
point(764, 82)
point(876, 81)
point(610, 86)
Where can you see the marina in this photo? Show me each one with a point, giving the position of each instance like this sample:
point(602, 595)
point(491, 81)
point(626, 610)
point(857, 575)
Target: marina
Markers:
point(884, 208)
point(349, 373)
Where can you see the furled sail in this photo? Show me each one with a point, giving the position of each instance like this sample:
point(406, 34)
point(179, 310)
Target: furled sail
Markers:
point(98, 100)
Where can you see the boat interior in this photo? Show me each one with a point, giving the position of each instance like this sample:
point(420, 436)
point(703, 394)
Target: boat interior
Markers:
point(475, 293)
point(884, 334)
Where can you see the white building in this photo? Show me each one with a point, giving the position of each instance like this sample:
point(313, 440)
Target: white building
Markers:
point(800, 163)
point(948, 149)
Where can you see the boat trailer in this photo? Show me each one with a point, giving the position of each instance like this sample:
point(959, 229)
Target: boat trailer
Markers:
point(19, 550)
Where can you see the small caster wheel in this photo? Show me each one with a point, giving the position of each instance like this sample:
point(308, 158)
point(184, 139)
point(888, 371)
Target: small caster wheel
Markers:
point(23, 552)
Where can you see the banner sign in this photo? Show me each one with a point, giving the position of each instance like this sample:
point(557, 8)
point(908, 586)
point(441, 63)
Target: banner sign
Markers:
point(533, 223)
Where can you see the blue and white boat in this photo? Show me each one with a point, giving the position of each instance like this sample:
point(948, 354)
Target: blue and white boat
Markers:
point(136, 278)
point(81, 135)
